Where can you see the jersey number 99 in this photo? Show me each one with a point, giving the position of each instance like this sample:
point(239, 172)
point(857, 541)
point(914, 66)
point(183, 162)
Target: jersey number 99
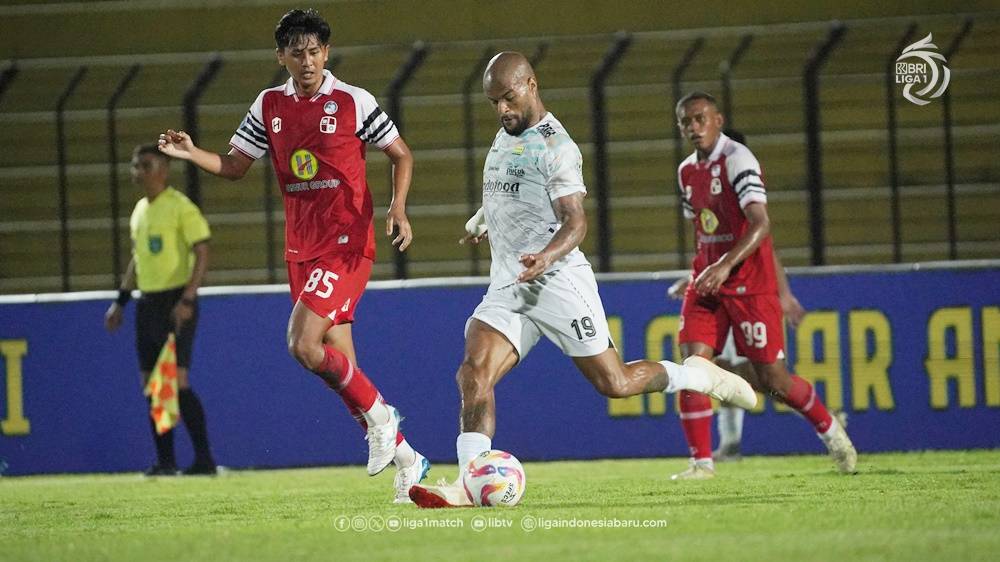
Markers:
point(755, 334)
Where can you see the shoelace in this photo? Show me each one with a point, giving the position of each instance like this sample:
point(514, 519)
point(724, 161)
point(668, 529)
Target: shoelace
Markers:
point(378, 436)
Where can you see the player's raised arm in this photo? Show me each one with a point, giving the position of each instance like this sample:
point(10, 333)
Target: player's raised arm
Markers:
point(402, 174)
point(569, 211)
point(178, 144)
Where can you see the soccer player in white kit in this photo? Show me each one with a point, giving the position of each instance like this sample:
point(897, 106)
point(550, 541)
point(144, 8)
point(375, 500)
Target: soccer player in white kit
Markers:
point(540, 281)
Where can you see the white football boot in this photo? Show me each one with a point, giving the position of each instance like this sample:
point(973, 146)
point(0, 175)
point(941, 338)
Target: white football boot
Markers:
point(841, 449)
point(726, 386)
point(696, 471)
point(445, 494)
point(407, 477)
point(382, 443)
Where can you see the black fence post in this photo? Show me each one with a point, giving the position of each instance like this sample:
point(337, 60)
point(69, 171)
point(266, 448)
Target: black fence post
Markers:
point(473, 181)
point(7, 77)
point(116, 259)
point(814, 164)
point(394, 94)
point(538, 56)
point(611, 58)
point(890, 100)
point(270, 239)
point(190, 103)
point(949, 150)
point(675, 85)
point(726, 75)
point(67, 93)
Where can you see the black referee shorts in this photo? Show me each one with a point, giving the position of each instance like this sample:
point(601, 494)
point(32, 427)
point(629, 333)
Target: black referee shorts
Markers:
point(153, 322)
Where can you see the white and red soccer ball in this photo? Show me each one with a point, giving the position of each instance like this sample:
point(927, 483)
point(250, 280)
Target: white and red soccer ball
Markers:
point(494, 478)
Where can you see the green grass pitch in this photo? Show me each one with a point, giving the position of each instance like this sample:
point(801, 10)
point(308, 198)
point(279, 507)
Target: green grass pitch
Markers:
point(914, 506)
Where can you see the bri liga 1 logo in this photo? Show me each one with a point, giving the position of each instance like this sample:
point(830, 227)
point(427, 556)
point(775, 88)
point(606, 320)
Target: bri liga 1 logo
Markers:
point(928, 73)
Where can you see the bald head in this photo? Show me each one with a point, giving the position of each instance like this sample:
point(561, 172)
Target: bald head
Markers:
point(508, 68)
point(510, 84)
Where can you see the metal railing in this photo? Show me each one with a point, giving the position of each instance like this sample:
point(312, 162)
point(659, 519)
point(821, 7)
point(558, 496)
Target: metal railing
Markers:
point(61, 150)
point(694, 42)
point(116, 259)
point(394, 95)
point(190, 104)
point(600, 130)
point(814, 150)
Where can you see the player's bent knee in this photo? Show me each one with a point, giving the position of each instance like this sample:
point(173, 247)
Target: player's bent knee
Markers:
point(473, 382)
point(305, 353)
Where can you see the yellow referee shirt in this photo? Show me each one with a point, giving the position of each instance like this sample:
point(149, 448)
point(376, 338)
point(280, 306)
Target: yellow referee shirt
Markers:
point(163, 233)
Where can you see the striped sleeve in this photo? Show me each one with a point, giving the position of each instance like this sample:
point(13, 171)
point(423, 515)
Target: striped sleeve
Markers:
point(746, 177)
point(685, 196)
point(373, 125)
point(250, 137)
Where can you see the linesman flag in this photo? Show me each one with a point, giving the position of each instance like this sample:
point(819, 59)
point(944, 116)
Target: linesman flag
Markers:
point(162, 388)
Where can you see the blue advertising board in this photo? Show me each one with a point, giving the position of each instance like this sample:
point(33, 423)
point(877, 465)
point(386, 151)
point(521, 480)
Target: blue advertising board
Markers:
point(912, 355)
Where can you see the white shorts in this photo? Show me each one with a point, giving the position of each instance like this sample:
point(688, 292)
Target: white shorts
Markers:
point(562, 305)
point(729, 353)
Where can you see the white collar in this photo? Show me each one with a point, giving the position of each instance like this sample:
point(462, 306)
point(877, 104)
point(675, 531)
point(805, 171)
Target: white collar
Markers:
point(325, 89)
point(720, 143)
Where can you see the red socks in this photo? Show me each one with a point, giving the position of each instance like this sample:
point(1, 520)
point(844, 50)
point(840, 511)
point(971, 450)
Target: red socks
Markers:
point(802, 397)
point(696, 419)
point(355, 389)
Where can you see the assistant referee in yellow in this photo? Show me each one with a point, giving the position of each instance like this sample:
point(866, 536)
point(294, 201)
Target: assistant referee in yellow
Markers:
point(169, 259)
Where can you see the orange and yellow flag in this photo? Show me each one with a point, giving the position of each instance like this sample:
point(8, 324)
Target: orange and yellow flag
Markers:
point(162, 388)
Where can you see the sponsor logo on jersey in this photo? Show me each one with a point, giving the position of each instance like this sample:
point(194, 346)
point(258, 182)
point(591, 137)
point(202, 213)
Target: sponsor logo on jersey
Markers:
point(347, 305)
point(499, 187)
point(343, 239)
point(716, 186)
point(328, 124)
point(925, 73)
point(276, 125)
point(155, 244)
point(716, 170)
point(312, 185)
point(304, 165)
point(330, 107)
point(546, 130)
point(709, 222)
point(515, 171)
point(519, 149)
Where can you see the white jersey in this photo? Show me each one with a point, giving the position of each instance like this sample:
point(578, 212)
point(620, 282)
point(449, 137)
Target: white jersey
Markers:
point(523, 175)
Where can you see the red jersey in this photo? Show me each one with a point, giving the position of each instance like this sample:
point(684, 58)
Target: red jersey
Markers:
point(715, 192)
point(317, 147)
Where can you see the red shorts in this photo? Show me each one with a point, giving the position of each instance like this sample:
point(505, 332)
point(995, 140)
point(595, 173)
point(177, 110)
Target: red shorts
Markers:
point(330, 285)
point(756, 320)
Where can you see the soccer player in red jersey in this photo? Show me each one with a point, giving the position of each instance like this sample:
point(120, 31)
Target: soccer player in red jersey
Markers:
point(316, 129)
point(735, 284)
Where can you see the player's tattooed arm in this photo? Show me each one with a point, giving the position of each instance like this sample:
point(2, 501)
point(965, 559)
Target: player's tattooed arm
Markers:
point(569, 211)
point(711, 279)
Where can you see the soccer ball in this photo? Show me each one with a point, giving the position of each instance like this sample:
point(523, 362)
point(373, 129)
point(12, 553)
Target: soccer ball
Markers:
point(494, 478)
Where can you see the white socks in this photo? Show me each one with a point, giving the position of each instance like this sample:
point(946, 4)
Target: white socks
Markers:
point(379, 413)
point(468, 445)
point(405, 455)
point(683, 377)
point(730, 425)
